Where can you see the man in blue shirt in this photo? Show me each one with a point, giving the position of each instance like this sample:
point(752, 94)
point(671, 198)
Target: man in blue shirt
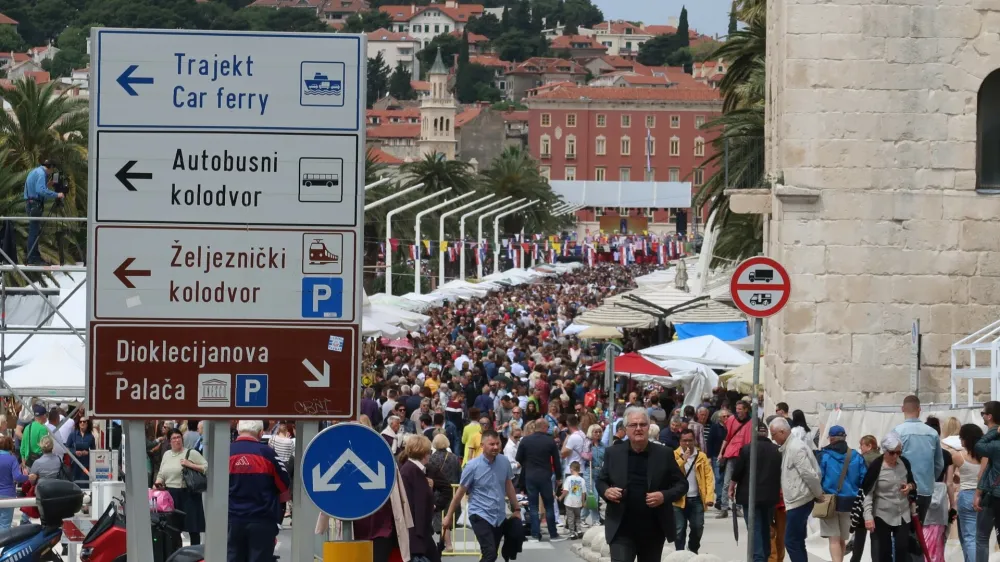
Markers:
point(36, 191)
point(922, 448)
point(486, 480)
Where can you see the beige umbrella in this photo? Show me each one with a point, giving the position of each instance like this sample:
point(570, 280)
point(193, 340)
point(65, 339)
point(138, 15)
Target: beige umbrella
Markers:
point(739, 379)
point(600, 333)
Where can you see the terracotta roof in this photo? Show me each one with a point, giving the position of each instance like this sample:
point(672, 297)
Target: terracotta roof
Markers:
point(618, 62)
point(421, 85)
point(630, 94)
point(638, 80)
point(547, 65)
point(618, 27)
point(660, 29)
point(380, 156)
point(489, 61)
point(467, 115)
point(461, 13)
point(395, 131)
point(390, 113)
point(39, 50)
point(474, 38)
point(315, 4)
point(576, 42)
point(344, 6)
point(383, 34)
point(39, 76)
point(516, 116)
point(550, 86)
point(16, 58)
point(4, 20)
point(683, 80)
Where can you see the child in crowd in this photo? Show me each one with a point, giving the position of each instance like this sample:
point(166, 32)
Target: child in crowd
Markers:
point(574, 496)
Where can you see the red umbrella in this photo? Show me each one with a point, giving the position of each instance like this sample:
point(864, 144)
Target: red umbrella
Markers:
point(401, 343)
point(633, 364)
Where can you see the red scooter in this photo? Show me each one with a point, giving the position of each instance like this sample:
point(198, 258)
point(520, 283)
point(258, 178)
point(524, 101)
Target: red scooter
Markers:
point(106, 540)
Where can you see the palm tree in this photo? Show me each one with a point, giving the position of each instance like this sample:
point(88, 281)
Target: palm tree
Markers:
point(436, 173)
point(45, 124)
point(515, 173)
point(739, 148)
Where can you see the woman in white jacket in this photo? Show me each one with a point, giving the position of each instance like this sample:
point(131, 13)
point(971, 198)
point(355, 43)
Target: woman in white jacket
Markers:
point(800, 484)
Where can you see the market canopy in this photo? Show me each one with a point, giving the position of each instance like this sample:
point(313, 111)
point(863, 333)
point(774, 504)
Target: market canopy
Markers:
point(706, 350)
point(632, 364)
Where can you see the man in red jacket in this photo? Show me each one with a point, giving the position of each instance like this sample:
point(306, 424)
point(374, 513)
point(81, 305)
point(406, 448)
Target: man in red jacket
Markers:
point(258, 485)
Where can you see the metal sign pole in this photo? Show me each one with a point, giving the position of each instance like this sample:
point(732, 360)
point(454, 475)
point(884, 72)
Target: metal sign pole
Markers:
point(758, 324)
point(217, 497)
point(306, 512)
point(139, 539)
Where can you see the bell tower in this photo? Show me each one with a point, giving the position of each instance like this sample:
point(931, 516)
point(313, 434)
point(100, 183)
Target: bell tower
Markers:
point(437, 114)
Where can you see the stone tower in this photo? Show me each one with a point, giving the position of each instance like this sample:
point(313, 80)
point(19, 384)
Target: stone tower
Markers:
point(881, 206)
point(437, 114)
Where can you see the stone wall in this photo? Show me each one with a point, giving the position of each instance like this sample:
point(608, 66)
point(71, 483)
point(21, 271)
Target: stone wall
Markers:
point(872, 134)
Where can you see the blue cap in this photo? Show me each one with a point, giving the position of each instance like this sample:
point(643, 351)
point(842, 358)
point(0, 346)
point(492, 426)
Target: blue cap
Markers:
point(838, 431)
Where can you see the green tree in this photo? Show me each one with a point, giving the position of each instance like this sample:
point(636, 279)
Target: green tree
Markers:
point(449, 45)
point(516, 46)
point(10, 40)
point(683, 32)
point(571, 29)
point(436, 173)
point(739, 148)
point(401, 84)
point(582, 12)
point(514, 173)
point(366, 22)
point(657, 50)
point(474, 83)
point(486, 24)
point(522, 15)
point(732, 20)
point(704, 49)
point(43, 124)
point(378, 78)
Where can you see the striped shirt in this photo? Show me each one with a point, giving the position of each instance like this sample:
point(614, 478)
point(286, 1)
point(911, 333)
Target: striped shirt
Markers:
point(284, 447)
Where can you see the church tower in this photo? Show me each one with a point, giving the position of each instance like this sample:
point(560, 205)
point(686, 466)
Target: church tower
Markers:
point(437, 114)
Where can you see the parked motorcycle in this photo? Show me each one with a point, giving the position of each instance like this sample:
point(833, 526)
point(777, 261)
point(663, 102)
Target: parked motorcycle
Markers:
point(106, 540)
point(56, 500)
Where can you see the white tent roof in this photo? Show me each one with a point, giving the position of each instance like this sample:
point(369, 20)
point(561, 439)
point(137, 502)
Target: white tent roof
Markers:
point(399, 302)
point(707, 350)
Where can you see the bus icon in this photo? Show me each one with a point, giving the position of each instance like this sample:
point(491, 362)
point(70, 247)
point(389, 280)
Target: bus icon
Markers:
point(321, 180)
point(329, 180)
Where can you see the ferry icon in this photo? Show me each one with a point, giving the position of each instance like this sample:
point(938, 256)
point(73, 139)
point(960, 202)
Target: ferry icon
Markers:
point(322, 85)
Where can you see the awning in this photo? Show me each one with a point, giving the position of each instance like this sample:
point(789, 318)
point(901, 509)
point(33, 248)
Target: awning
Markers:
point(632, 364)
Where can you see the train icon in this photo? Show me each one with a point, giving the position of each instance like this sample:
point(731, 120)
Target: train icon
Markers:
point(319, 254)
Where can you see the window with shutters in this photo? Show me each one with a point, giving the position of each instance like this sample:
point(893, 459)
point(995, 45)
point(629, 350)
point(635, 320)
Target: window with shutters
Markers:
point(699, 146)
point(546, 119)
point(626, 146)
point(599, 173)
point(600, 146)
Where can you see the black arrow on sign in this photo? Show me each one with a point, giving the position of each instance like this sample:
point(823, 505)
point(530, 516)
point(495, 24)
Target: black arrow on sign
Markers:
point(122, 272)
point(124, 175)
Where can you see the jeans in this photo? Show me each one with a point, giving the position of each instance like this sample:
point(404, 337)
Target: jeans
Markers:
point(985, 525)
point(34, 208)
point(541, 487)
point(488, 537)
point(727, 477)
point(795, 532)
point(967, 524)
point(251, 541)
point(693, 514)
point(719, 492)
point(763, 514)
point(6, 518)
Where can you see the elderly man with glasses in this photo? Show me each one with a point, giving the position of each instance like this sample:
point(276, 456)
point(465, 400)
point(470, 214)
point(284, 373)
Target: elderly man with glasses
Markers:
point(640, 480)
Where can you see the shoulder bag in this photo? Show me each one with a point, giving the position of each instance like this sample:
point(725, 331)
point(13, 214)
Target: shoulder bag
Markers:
point(195, 481)
point(828, 507)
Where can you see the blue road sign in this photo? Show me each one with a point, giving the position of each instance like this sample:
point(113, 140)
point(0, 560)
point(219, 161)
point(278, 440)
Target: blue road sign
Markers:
point(322, 297)
point(251, 391)
point(348, 471)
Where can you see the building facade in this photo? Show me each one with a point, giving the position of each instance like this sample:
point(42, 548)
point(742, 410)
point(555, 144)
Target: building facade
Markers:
point(396, 48)
point(881, 133)
point(623, 134)
point(427, 22)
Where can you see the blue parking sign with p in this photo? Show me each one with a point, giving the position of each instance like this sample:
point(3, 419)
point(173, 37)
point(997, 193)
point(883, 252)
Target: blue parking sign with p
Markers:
point(251, 391)
point(322, 297)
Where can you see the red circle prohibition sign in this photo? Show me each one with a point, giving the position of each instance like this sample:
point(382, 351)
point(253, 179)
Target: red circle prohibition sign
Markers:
point(760, 287)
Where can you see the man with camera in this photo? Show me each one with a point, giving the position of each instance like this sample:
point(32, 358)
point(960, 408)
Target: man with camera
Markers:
point(37, 188)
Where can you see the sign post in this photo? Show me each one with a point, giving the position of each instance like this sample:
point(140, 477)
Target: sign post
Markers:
point(760, 287)
point(226, 208)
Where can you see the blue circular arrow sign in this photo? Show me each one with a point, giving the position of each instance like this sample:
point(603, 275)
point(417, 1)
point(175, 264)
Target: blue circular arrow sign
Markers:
point(348, 471)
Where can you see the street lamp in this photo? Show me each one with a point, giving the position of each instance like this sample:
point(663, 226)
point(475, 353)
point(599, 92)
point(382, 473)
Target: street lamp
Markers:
point(416, 235)
point(441, 234)
point(461, 232)
point(479, 266)
point(388, 198)
point(496, 232)
point(388, 233)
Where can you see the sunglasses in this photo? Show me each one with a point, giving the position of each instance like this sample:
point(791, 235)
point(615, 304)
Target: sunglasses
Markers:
point(893, 453)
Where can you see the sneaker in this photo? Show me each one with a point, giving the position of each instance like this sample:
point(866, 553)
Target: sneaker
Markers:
point(723, 514)
point(558, 538)
point(534, 539)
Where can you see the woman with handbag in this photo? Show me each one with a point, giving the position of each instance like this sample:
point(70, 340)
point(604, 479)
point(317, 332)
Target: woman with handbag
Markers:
point(182, 473)
point(887, 507)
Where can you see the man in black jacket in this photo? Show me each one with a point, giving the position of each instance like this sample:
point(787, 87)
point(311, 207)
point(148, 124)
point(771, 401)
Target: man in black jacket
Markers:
point(539, 458)
point(640, 481)
point(768, 489)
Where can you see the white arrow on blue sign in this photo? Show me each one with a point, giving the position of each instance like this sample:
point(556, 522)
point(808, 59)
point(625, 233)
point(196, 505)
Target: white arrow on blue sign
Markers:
point(348, 471)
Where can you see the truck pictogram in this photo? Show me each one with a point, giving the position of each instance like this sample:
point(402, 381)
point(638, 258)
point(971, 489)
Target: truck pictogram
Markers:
point(761, 275)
